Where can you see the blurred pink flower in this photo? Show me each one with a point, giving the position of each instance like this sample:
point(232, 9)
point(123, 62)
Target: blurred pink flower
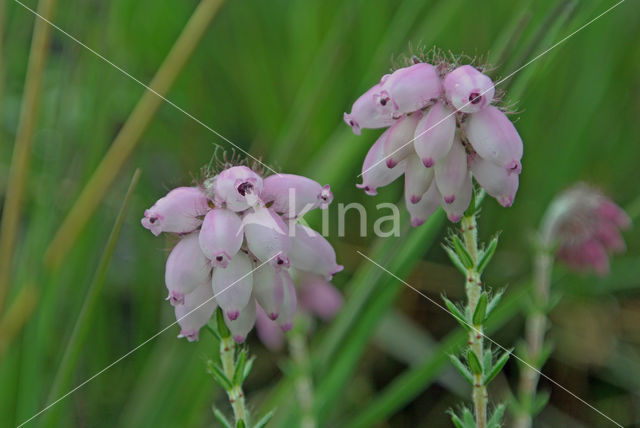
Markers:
point(442, 131)
point(240, 243)
point(585, 226)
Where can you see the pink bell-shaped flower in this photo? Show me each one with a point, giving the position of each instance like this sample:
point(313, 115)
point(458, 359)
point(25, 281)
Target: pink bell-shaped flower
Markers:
point(461, 201)
point(266, 236)
point(451, 172)
point(375, 172)
point(417, 179)
point(398, 143)
point(268, 289)
point(367, 113)
point(233, 285)
point(427, 205)
point(496, 180)
point(186, 269)
point(294, 195)
point(468, 90)
point(196, 311)
point(434, 134)
point(409, 89)
point(268, 331)
point(289, 303)
point(319, 297)
point(177, 212)
point(311, 252)
point(221, 236)
point(237, 188)
point(243, 323)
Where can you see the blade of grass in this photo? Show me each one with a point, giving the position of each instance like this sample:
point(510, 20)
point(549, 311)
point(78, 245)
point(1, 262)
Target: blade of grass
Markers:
point(18, 172)
point(131, 132)
point(17, 315)
point(415, 380)
point(83, 323)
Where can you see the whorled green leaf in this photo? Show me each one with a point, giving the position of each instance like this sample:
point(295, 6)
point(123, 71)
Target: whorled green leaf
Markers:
point(456, 312)
point(455, 259)
point(500, 362)
point(495, 421)
point(241, 424)
point(480, 312)
point(540, 402)
point(461, 251)
point(474, 362)
point(222, 418)
point(493, 302)
point(487, 254)
point(223, 330)
point(264, 420)
point(219, 376)
point(247, 368)
point(462, 369)
point(238, 373)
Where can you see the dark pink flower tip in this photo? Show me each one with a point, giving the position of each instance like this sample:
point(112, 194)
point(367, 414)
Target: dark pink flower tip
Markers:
point(233, 315)
point(391, 163)
point(220, 259)
point(368, 190)
point(326, 196)
point(454, 218)
point(506, 201)
point(273, 316)
point(415, 199)
point(190, 335)
point(449, 199)
point(427, 162)
point(415, 222)
point(286, 327)
point(514, 167)
point(239, 339)
point(349, 120)
point(281, 262)
point(175, 298)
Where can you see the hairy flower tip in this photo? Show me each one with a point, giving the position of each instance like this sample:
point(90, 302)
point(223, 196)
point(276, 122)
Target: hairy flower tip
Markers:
point(444, 127)
point(585, 225)
point(177, 212)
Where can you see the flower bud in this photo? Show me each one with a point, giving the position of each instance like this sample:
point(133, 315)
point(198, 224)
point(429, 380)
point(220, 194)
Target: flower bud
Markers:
point(496, 180)
point(375, 172)
point(455, 210)
point(428, 204)
point(494, 138)
point(186, 269)
point(177, 212)
point(434, 134)
point(311, 252)
point(398, 143)
point(268, 289)
point(468, 90)
point(232, 285)
point(221, 236)
point(196, 311)
point(238, 188)
point(294, 195)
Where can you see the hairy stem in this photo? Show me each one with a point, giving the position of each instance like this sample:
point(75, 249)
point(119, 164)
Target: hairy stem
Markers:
point(303, 382)
point(235, 394)
point(535, 329)
point(476, 337)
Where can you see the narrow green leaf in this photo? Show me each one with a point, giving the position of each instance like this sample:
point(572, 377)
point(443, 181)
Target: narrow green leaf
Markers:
point(461, 251)
point(241, 424)
point(469, 421)
point(456, 421)
point(479, 314)
point(264, 421)
point(213, 331)
point(455, 311)
point(497, 367)
point(247, 368)
point(493, 302)
point(220, 377)
point(487, 254)
point(455, 259)
point(545, 353)
point(238, 373)
point(487, 360)
point(464, 371)
point(221, 418)
point(496, 418)
point(474, 363)
point(223, 330)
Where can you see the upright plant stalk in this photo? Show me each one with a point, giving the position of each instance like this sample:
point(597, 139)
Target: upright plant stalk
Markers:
point(131, 132)
point(480, 368)
point(18, 172)
point(536, 352)
point(299, 351)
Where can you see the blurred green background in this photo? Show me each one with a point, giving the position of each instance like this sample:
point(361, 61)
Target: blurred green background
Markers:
point(275, 77)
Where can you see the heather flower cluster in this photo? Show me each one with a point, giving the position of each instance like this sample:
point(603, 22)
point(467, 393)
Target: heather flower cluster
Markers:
point(442, 127)
point(585, 226)
point(241, 247)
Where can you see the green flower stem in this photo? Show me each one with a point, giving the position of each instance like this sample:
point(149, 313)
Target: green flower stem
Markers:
point(235, 393)
point(476, 338)
point(299, 351)
point(535, 329)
